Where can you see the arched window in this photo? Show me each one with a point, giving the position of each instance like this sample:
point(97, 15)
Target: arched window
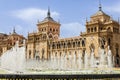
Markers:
point(109, 41)
point(117, 55)
point(88, 30)
point(37, 58)
point(43, 51)
point(75, 53)
point(73, 44)
point(50, 29)
point(29, 54)
point(95, 29)
point(69, 44)
point(83, 43)
point(92, 47)
point(79, 44)
point(91, 29)
point(50, 36)
point(60, 54)
point(53, 46)
point(64, 45)
point(53, 30)
point(34, 53)
point(56, 54)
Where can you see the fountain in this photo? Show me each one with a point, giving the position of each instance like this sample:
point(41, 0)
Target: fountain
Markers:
point(14, 58)
point(109, 58)
point(72, 63)
point(92, 59)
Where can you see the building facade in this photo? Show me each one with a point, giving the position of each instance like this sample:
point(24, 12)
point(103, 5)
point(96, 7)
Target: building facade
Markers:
point(101, 31)
point(7, 41)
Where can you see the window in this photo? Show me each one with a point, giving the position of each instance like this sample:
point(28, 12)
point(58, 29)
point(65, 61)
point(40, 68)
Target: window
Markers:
point(73, 44)
point(69, 44)
point(95, 29)
point(83, 43)
point(50, 29)
point(56, 30)
point(109, 41)
point(56, 54)
point(88, 30)
point(79, 44)
point(117, 52)
point(60, 54)
point(91, 29)
point(45, 29)
point(43, 51)
point(29, 54)
point(64, 45)
point(53, 30)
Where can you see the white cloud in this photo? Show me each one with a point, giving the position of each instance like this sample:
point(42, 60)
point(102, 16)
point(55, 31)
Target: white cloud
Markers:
point(71, 29)
point(30, 14)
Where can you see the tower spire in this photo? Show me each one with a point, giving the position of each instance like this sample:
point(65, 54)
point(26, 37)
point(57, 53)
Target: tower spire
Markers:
point(48, 13)
point(100, 6)
point(14, 30)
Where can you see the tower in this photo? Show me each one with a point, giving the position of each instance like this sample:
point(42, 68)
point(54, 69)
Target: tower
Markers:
point(101, 31)
point(49, 27)
point(39, 42)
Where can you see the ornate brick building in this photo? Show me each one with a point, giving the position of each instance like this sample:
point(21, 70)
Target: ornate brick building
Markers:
point(101, 31)
point(8, 41)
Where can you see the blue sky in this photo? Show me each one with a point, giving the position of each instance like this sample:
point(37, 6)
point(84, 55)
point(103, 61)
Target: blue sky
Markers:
point(72, 14)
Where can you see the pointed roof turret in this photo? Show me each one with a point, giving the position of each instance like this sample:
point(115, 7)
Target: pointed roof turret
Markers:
point(100, 6)
point(48, 13)
point(100, 12)
point(48, 18)
point(14, 30)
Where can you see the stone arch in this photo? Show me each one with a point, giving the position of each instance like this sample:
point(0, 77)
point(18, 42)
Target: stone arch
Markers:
point(102, 42)
point(108, 29)
point(95, 29)
point(43, 52)
point(55, 36)
point(83, 42)
point(44, 36)
point(109, 41)
point(36, 55)
point(30, 53)
point(69, 44)
point(75, 53)
point(73, 44)
point(78, 44)
point(55, 54)
point(60, 54)
point(92, 46)
point(50, 35)
point(91, 29)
